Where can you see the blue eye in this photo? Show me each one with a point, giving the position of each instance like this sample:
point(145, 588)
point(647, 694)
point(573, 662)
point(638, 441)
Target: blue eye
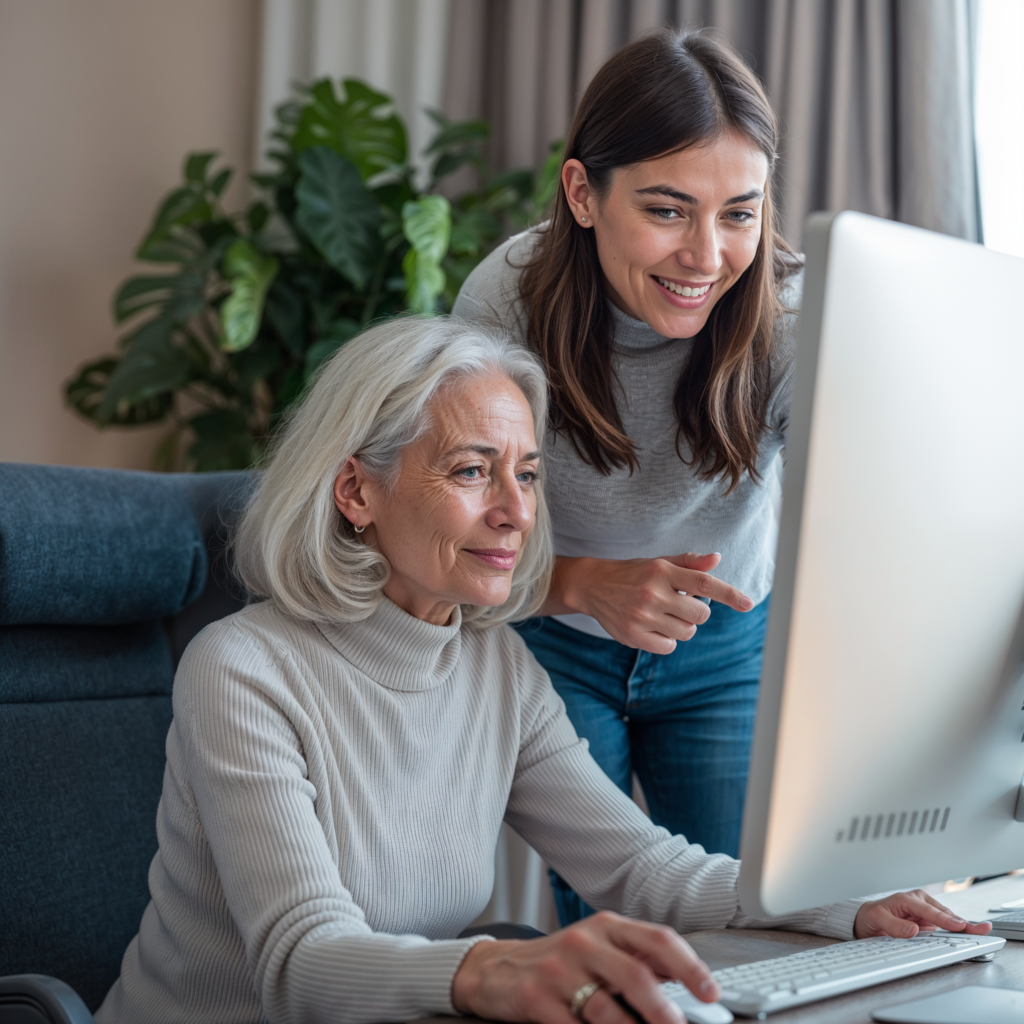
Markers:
point(527, 478)
point(470, 472)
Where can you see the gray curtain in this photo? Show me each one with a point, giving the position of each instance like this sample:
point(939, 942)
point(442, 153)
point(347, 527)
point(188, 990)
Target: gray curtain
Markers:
point(874, 95)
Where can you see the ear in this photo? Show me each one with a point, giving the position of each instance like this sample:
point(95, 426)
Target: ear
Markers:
point(350, 493)
point(582, 200)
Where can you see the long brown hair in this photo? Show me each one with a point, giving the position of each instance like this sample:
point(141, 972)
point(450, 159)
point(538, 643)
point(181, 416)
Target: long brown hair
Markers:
point(661, 94)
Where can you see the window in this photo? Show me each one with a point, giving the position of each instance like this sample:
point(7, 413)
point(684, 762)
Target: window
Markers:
point(999, 123)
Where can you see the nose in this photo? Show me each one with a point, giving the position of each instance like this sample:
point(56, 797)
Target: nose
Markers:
point(510, 507)
point(701, 250)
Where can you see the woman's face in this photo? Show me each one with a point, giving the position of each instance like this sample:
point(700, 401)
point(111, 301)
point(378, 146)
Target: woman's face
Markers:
point(455, 521)
point(675, 233)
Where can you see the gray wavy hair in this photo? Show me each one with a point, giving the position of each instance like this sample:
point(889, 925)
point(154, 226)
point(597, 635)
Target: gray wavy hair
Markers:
point(370, 400)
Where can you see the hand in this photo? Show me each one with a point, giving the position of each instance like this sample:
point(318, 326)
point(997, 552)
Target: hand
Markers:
point(535, 980)
point(904, 914)
point(638, 601)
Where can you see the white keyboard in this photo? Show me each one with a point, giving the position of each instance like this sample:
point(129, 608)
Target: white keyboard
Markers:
point(760, 988)
point(1009, 926)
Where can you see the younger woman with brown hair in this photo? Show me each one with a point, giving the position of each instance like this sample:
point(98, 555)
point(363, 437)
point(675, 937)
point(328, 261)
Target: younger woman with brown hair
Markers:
point(660, 298)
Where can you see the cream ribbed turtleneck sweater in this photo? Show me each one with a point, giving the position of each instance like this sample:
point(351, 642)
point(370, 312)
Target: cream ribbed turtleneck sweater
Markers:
point(329, 814)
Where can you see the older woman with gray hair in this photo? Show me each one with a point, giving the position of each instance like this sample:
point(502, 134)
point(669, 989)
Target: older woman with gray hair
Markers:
point(343, 752)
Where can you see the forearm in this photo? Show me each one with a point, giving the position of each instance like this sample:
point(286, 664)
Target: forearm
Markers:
point(618, 860)
point(835, 921)
point(361, 979)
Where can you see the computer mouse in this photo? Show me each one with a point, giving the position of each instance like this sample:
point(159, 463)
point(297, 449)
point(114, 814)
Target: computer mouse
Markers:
point(695, 1011)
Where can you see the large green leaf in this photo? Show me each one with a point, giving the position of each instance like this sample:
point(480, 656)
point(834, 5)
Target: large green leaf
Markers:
point(193, 204)
point(338, 213)
point(152, 365)
point(333, 338)
point(178, 245)
point(456, 144)
point(427, 224)
point(286, 312)
point(85, 393)
point(196, 165)
point(424, 282)
point(180, 295)
point(250, 273)
point(362, 127)
point(473, 230)
point(223, 441)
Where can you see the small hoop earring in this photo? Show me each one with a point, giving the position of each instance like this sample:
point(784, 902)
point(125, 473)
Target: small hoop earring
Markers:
point(358, 529)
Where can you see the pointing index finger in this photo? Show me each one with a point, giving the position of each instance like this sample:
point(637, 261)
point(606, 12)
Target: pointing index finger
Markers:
point(701, 584)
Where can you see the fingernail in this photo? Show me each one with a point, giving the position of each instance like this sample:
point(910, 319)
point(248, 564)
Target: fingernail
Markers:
point(709, 988)
point(957, 920)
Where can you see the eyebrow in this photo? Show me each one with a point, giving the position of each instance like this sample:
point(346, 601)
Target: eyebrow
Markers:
point(684, 197)
point(485, 449)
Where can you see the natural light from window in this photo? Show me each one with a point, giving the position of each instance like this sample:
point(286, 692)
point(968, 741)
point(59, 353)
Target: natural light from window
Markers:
point(999, 123)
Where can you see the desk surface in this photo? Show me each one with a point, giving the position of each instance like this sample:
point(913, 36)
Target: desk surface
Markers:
point(728, 947)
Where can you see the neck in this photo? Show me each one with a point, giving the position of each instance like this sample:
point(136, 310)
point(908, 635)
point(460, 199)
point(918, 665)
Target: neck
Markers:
point(428, 607)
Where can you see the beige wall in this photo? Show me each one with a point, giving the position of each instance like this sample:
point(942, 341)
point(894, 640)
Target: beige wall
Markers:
point(99, 102)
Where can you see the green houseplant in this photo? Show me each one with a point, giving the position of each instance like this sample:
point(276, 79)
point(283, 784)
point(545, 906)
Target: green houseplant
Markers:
point(245, 306)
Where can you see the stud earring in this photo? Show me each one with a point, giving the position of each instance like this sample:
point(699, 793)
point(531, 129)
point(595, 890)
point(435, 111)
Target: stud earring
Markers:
point(583, 219)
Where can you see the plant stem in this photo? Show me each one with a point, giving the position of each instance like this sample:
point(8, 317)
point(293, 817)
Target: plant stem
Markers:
point(373, 297)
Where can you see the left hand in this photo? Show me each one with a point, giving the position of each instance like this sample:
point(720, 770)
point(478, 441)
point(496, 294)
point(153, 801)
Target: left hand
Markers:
point(904, 914)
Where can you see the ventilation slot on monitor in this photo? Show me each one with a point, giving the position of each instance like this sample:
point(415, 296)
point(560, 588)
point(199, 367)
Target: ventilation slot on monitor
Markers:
point(894, 824)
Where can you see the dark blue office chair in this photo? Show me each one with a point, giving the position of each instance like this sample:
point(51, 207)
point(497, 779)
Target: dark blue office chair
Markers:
point(104, 578)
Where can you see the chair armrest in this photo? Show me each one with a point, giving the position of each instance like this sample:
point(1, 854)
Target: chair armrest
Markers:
point(53, 1001)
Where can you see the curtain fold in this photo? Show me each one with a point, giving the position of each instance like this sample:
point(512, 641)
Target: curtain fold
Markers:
point(874, 95)
point(397, 46)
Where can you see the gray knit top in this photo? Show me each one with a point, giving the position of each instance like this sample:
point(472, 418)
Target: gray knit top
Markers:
point(330, 809)
point(665, 507)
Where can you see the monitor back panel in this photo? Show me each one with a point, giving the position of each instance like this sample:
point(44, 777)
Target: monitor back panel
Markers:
point(888, 749)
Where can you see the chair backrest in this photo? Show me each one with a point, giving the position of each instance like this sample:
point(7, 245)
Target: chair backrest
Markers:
point(96, 567)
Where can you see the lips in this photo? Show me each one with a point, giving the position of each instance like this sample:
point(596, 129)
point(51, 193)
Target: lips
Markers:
point(498, 558)
point(684, 296)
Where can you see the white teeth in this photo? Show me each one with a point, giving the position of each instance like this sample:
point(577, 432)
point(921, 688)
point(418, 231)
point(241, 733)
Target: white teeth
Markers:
point(681, 289)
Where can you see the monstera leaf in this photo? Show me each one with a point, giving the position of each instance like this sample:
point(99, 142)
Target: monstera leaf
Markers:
point(180, 296)
point(427, 224)
point(362, 127)
point(192, 204)
point(86, 391)
point(152, 365)
point(338, 213)
point(250, 273)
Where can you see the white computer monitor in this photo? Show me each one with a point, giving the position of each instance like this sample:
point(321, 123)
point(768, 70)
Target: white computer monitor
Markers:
point(888, 747)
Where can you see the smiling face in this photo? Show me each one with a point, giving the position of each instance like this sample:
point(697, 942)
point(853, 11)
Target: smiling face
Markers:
point(454, 522)
point(675, 233)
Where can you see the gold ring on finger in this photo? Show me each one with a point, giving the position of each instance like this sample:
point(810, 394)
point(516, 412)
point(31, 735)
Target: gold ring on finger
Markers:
point(581, 997)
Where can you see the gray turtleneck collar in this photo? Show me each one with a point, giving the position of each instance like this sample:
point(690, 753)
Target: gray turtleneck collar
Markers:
point(398, 650)
point(633, 334)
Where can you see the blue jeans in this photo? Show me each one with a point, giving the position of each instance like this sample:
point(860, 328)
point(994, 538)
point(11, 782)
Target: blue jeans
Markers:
point(682, 721)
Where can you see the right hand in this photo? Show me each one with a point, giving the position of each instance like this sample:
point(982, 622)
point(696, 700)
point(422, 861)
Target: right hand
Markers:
point(638, 601)
point(535, 980)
